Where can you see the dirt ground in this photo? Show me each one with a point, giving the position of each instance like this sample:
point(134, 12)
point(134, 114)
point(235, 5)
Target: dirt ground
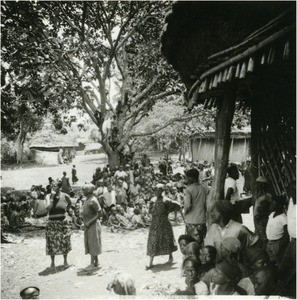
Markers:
point(25, 177)
point(25, 263)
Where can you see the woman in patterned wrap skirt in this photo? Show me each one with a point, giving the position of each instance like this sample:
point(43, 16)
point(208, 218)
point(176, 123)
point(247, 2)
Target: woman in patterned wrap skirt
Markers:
point(161, 240)
point(58, 230)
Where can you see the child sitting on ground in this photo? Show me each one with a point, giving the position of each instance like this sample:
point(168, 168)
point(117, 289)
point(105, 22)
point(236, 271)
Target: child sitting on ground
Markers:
point(137, 220)
point(73, 219)
point(144, 213)
point(122, 284)
point(207, 255)
point(122, 217)
point(183, 241)
point(207, 258)
point(265, 281)
point(192, 249)
point(205, 273)
point(113, 221)
point(225, 278)
point(230, 248)
point(130, 209)
point(190, 268)
point(14, 220)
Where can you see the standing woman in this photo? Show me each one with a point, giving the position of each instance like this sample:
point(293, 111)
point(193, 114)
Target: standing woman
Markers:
point(58, 230)
point(92, 232)
point(74, 176)
point(161, 240)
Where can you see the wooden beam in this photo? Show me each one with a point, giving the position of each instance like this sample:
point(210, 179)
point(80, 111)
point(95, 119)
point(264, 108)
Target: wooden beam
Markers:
point(255, 135)
point(224, 119)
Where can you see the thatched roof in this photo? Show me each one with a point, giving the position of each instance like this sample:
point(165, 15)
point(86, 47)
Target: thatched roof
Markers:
point(51, 141)
point(270, 46)
point(243, 133)
point(93, 147)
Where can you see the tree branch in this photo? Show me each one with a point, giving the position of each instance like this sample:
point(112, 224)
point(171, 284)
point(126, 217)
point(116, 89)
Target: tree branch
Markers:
point(86, 100)
point(145, 91)
point(127, 136)
point(177, 119)
point(67, 18)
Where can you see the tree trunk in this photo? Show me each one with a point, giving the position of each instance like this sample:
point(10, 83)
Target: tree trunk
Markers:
point(19, 150)
point(113, 159)
point(20, 143)
point(222, 145)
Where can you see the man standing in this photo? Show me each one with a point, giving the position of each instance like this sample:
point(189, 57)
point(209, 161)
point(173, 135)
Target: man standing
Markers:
point(120, 173)
point(230, 189)
point(195, 207)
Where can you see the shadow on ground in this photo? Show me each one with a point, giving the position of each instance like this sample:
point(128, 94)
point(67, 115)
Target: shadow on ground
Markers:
point(163, 267)
point(50, 271)
point(86, 272)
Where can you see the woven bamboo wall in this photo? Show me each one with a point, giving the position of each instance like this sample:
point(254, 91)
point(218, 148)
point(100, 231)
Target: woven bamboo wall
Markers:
point(277, 155)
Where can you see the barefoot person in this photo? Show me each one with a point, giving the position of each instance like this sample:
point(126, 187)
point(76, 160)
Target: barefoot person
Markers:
point(58, 231)
point(74, 175)
point(92, 233)
point(161, 240)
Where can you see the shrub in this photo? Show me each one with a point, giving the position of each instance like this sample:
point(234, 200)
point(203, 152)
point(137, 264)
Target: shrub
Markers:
point(8, 151)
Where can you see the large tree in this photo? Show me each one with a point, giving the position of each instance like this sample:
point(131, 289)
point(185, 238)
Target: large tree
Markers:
point(94, 45)
point(84, 48)
point(22, 100)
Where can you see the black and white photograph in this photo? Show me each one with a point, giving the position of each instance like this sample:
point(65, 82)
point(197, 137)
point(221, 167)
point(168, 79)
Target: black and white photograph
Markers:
point(148, 149)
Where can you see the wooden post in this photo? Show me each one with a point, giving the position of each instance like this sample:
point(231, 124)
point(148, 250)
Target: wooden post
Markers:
point(231, 148)
point(255, 151)
point(183, 149)
point(244, 151)
point(200, 141)
point(224, 118)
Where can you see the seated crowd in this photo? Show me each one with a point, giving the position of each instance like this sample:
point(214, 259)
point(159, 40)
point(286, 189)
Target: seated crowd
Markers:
point(232, 260)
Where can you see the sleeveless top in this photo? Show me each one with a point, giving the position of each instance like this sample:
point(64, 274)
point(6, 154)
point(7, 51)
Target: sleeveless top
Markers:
point(58, 213)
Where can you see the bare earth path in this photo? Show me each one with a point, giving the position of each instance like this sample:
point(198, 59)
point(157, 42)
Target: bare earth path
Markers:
point(21, 264)
point(25, 178)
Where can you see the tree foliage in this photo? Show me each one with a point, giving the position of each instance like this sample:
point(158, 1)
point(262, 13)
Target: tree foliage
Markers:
point(22, 101)
point(83, 48)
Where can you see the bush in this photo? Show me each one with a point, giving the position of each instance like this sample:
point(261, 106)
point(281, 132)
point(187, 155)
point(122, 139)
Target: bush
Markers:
point(8, 151)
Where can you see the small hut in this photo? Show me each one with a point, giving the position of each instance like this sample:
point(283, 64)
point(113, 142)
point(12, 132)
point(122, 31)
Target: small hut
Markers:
point(203, 146)
point(258, 72)
point(93, 148)
point(47, 145)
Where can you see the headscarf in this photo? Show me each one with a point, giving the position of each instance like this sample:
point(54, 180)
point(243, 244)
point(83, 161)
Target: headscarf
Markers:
point(126, 283)
point(232, 244)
